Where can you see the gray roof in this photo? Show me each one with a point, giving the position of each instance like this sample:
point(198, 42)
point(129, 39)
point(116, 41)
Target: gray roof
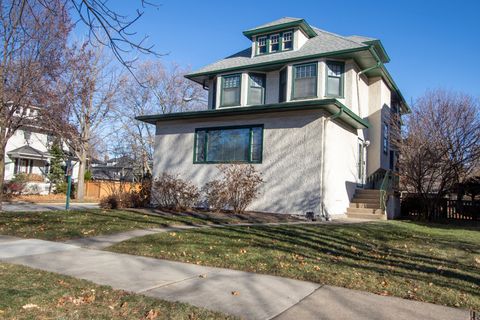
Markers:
point(27, 152)
point(323, 43)
point(276, 22)
point(360, 39)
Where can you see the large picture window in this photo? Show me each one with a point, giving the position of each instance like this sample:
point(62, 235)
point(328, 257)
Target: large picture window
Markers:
point(305, 81)
point(256, 89)
point(335, 72)
point(231, 90)
point(242, 144)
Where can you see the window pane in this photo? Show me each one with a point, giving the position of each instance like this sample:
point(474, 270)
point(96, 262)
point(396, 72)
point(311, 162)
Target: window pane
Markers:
point(257, 139)
point(200, 146)
point(256, 90)
point(283, 85)
point(287, 45)
point(305, 87)
point(231, 91)
point(228, 145)
point(333, 86)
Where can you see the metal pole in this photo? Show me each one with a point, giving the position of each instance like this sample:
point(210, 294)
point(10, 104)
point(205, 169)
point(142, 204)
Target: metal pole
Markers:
point(69, 189)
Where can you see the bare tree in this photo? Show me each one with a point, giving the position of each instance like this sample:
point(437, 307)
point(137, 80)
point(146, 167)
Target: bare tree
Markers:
point(441, 146)
point(32, 50)
point(89, 93)
point(162, 91)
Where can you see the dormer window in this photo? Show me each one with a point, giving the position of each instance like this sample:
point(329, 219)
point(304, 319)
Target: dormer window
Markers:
point(287, 40)
point(274, 45)
point(262, 45)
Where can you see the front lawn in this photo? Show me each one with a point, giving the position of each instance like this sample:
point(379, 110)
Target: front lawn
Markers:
point(63, 225)
point(433, 263)
point(27, 293)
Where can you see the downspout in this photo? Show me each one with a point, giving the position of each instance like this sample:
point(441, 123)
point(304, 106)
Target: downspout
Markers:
point(377, 65)
point(324, 212)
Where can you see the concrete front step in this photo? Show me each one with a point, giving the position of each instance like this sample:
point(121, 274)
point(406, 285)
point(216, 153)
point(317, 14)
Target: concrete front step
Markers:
point(366, 216)
point(364, 210)
point(367, 191)
point(366, 195)
point(368, 201)
point(364, 205)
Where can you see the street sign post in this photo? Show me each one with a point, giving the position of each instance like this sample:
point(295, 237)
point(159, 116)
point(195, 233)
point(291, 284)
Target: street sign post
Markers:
point(69, 183)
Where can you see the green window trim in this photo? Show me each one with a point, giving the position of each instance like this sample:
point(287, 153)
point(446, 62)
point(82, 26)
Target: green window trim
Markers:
point(205, 144)
point(236, 103)
point(342, 78)
point(252, 85)
point(282, 85)
point(293, 77)
point(268, 44)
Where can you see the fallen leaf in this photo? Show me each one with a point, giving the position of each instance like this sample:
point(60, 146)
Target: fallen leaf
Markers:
point(477, 260)
point(152, 314)
point(243, 251)
point(30, 306)
point(235, 293)
point(202, 276)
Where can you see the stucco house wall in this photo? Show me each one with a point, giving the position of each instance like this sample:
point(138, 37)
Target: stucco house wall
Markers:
point(291, 165)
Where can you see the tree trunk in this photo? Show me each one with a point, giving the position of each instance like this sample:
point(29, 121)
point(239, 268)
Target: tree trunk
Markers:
point(81, 175)
point(2, 171)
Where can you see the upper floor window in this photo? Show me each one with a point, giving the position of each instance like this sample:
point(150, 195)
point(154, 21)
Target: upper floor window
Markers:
point(274, 44)
point(282, 92)
point(287, 42)
point(262, 45)
point(229, 144)
point(230, 95)
point(385, 137)
point(256, 89)
point(335, 71)
point(304, 81)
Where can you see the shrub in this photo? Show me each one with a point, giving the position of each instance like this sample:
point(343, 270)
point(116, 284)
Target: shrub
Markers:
point(170, 191)
point(17, 184)
point(236, 189)
point(61, 188)
point(33, 177)
point(111, 201)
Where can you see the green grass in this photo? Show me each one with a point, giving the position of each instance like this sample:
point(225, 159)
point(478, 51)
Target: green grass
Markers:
point(52, 296)
point(438, 264)
point(63, 225)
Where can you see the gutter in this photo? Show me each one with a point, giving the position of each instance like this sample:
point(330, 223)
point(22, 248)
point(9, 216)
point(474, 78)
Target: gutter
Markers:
point(324, 212)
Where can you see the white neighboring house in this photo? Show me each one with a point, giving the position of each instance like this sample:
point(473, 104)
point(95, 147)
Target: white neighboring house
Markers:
point(27, 151)
point(308, 108)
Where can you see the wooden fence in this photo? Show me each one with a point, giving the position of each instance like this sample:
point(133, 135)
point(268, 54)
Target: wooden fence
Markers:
point(100, 189)
point(446, 210)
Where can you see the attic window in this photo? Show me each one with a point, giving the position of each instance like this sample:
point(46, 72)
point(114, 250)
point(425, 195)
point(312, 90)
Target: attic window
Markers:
point(274, 45)
point(262, 45)
point(287, 40)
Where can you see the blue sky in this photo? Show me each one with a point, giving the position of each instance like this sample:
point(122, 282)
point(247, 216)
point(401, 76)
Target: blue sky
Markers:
point(431, 43)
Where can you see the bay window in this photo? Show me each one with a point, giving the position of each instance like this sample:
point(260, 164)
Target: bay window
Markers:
point(304, 81)
point(256, 89)
point(231, 87)
point(334, 85)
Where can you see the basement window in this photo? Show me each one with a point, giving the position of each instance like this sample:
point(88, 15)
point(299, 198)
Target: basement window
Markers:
point(240, 144)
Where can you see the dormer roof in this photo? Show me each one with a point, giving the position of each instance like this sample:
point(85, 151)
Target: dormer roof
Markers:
point(281, 24)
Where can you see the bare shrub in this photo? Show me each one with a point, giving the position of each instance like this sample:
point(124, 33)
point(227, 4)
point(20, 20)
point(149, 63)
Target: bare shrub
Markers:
point(111, 201)
point(170, 191)
point(236, 189)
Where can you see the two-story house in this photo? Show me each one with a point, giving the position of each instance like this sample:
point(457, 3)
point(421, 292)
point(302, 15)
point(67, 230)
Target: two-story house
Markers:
point(308, 108)
point(27, 151)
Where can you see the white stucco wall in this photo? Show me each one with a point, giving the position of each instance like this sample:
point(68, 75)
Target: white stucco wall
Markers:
point(341, 156)
point(379, 109)
point(291, 159)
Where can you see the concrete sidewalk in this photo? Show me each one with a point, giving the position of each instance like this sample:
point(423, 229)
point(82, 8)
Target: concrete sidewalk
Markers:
point(29, 206)
point(248, 295)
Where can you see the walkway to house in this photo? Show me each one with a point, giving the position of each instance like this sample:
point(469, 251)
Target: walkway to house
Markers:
point(103, 241)
point(248, 295)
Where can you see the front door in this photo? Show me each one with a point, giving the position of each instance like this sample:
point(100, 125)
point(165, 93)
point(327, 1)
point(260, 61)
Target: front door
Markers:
point(361, 164)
